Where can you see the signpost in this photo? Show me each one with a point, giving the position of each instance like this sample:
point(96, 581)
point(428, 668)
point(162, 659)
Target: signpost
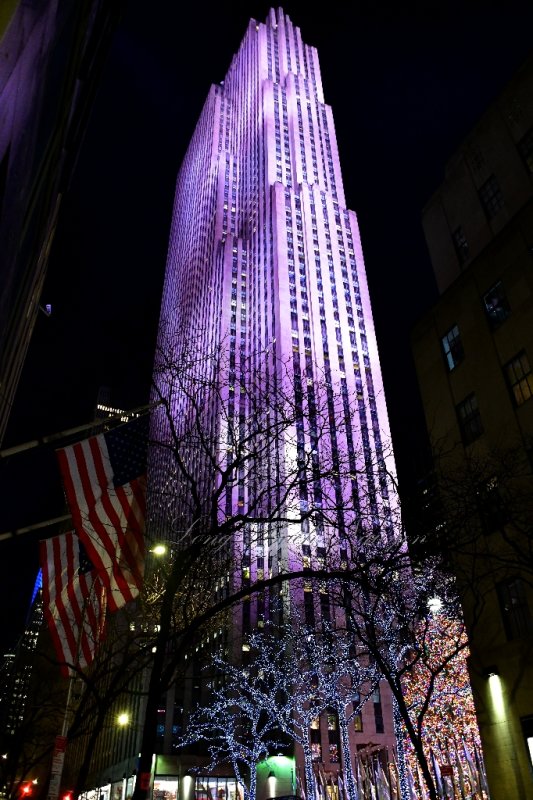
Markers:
point(58, 759)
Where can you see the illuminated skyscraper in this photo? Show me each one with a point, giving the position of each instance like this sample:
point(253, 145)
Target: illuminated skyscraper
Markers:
point(265, 261)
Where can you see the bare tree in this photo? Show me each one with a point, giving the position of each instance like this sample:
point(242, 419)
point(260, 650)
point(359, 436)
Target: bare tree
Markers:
point(476, 515)
point(297, 674)
point(232, 471)
point(386, 601)
point(254, 459)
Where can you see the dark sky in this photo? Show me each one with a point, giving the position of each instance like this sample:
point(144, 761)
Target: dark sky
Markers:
point(406, 82)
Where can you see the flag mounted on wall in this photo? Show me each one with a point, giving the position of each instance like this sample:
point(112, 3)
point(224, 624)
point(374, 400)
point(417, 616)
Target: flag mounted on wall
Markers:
point(74, 600)
point(105, 485)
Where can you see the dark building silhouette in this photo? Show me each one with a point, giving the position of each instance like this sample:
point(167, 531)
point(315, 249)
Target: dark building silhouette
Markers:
point(474, 354)
point(16, 677)
point(51, 57)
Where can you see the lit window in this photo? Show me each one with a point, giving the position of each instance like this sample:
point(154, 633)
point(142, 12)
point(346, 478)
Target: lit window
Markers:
point(519, 378)
point(452, 347)
point(316, 751)
point(469, 419)
point(334, 753)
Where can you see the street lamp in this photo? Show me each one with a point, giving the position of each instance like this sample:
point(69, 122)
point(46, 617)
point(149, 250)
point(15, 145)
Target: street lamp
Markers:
point(123, 719)
point(434, 604)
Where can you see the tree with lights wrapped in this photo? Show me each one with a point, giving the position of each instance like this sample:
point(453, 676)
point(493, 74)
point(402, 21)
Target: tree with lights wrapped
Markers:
point(294, 674)
point(287, 688)
point(477, 514)
point(236, 724)
point(324, 669)
point(344, 678)
point(218, 497)
point(232, 471)
point(386, 601)
point(450, 719)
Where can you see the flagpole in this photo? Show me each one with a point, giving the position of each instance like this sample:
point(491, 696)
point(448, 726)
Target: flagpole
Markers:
point(54, 437)
point(58, 758)
point(60, 746)
point(37, 526)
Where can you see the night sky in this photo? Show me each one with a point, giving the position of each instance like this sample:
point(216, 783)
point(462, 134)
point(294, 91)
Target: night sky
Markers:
point(406, 83)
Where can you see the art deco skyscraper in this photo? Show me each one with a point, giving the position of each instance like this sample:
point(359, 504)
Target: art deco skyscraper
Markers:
point(265, 262)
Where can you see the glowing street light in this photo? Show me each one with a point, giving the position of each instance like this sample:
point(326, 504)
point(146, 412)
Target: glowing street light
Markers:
point(434, 605)
point(123, 719)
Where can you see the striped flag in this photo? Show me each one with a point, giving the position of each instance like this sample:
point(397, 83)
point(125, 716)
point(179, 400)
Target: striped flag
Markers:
point(439, 785)
point(421, 783)
point(394, 778)
point(104, 480)
point(341, 789)
point(411, 786)
point(300, 785)
point(382, 784)
point(472, 771)
point(74, 600)
point(481, 771)
point(322, 781)
point(460, 772)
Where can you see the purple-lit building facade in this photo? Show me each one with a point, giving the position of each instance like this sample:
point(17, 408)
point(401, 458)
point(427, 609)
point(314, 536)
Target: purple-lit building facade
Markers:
point(265, 259)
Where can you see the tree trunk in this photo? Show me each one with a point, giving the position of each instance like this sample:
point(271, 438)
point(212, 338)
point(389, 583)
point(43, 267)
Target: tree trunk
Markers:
point(351, 787)
point(309, 775)
point(96, 730)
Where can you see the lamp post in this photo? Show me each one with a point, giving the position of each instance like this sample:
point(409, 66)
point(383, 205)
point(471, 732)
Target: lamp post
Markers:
point(123, 720)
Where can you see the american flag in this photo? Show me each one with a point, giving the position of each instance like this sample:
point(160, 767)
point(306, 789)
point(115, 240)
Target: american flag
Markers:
point(74, 600)
point(104, 480)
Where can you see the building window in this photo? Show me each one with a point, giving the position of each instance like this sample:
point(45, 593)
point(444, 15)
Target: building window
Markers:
point(514, 608)
point(333, 737)
point(452, 347)
point(460, 244)
point(520, 378)
point(316, 746)
point(525, 148)
point(378, 711)
point(491, 197)
point(357, 716)
point(469, 419)
point(496, 305)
